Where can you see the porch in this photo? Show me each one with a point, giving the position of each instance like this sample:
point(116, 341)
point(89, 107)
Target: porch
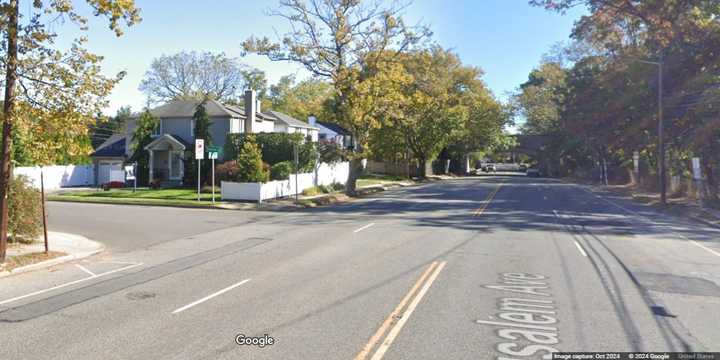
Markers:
point(166, 163)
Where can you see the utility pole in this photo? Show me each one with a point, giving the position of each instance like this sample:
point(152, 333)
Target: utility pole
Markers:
point(662, 176)
point(661, 142)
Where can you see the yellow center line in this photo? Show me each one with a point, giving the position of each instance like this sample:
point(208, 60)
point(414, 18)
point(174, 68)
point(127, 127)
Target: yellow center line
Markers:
point(487, 201)
point(396, 314)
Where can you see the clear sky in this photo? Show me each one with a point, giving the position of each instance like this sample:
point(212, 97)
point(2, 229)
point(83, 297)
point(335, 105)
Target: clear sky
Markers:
point(506, 38)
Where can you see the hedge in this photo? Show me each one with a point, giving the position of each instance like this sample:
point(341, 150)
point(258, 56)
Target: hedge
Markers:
point(275, 148)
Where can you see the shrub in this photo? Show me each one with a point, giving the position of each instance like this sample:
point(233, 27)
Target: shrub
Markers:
point(274, 147)
point(251, 167)
point(281, 170)
point(24, 210)
point(337, 186)
point(227, 171)
point(311, 191)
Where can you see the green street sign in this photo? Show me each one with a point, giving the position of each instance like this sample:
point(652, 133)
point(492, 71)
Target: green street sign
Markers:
point(214, 148)
point(212, 154)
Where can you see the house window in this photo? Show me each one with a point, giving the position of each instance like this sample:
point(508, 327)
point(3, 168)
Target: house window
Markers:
point(158, 129)
point(322, 136)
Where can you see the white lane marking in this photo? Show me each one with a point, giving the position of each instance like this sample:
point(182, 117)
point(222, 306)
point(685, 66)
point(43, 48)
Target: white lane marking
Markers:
point(582, 251)
point(181, 309)
point(68, 284)
point(577, 244)
point(86, 270)
point(364, 227)
point(406, 315)
point(654, 223)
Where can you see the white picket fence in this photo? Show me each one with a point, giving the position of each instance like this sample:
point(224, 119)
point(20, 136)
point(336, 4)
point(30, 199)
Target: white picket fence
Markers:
point(59, 176)
point(324, 174)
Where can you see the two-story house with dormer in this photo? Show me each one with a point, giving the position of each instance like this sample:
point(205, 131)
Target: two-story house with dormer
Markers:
point(174, 135)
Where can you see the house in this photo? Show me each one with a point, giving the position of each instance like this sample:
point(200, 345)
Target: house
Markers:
point(332, 133)
point(174, 139)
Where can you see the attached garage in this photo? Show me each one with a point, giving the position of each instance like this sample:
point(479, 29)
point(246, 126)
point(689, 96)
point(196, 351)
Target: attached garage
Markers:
point(109, 159)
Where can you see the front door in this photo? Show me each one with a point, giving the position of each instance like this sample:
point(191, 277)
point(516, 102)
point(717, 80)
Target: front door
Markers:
point(176, 165)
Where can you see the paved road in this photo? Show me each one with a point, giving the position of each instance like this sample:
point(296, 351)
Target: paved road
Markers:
point(476, 268)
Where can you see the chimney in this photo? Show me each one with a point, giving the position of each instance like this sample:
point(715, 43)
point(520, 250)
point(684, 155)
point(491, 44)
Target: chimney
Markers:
point(250, 110)
point(312, 120)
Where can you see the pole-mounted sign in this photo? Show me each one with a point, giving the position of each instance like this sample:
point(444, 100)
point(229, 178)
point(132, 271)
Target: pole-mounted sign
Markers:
point(199, 155)
point(199, 149)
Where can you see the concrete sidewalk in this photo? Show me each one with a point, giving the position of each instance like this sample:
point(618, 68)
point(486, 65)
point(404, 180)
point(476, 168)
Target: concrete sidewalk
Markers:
point(73, 246)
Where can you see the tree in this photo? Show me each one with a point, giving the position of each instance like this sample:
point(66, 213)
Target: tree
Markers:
point(192, 75)
point(256, 79)
point(341, 41)
point(104, 127)
point(63, 90)
point(250, 163)
point(147, 125)
point(302, 99)
point(201, 129)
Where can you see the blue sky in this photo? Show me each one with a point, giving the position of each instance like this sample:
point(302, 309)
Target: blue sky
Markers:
point(506, 38)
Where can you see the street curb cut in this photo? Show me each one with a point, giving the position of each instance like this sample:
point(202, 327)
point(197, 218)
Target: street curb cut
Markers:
point(51, 262)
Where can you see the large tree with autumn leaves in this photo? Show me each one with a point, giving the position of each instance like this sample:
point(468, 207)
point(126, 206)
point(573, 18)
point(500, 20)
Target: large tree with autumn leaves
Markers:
point(55, 92)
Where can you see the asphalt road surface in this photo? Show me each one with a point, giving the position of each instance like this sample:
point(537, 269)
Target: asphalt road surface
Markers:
point(476, 268)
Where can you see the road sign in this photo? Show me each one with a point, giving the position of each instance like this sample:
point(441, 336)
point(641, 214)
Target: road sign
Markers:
point(130, 172)
point(199, 149)
point(213, 152)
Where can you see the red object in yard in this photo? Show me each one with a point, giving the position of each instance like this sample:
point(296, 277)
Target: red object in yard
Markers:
point(114, 185)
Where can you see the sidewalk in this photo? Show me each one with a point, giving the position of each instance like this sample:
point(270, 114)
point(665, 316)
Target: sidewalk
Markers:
point(63, 247)
point(683, 207)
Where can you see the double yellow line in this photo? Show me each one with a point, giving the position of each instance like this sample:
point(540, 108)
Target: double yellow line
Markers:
point(487, 201)
point(398, 317)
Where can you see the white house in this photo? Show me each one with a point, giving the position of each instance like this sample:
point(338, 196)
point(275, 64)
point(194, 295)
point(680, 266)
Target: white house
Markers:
point(332, 133)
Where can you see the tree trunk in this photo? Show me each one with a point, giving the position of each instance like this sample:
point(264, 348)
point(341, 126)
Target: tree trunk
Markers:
point(422, 168)
point(8, 112)
point(353, 175)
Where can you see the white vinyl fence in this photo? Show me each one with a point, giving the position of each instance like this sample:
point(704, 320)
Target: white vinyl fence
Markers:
point(59, 176)
point(324, 174)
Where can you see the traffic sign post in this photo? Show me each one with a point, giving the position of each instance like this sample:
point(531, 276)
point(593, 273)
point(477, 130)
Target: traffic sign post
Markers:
point(199, 155)
point(213, 152)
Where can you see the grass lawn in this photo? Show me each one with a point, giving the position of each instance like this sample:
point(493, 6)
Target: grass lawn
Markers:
point(368, 180)
point(174, 197)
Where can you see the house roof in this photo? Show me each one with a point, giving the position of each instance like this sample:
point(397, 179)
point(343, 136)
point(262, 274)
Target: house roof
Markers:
point(288, 120)
point(170, 138)
point(114, 146)
point(240, 111)
point(186, 108)
point(335, 127)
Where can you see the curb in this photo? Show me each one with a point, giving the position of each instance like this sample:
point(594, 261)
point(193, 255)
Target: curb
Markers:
point(52, 262)
point(666, 211)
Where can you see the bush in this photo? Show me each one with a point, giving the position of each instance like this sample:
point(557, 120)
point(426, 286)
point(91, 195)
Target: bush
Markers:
point(227, 171)
point(251, 167)
point(24, 210)
point(275, 148)
point(311, 191)
point(281, 170)
point(337, 186)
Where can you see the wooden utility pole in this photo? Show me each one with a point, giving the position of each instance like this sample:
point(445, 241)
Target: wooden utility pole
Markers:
point(9, 114)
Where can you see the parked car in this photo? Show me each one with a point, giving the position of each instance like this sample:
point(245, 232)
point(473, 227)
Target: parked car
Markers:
point(522, 168)
point(490, 168)
point(533, 173)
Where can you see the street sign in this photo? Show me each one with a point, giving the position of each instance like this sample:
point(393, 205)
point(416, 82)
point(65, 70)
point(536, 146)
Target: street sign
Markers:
point(199, 149)
point(213, 152)
point(130, 172)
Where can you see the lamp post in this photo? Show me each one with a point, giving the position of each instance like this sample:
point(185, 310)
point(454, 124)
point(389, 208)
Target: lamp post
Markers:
point(661, 141)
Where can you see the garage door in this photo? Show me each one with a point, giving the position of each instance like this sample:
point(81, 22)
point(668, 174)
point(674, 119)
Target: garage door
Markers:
point(105, 168)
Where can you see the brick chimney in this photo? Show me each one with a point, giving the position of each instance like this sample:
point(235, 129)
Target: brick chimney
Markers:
point(250, 110)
